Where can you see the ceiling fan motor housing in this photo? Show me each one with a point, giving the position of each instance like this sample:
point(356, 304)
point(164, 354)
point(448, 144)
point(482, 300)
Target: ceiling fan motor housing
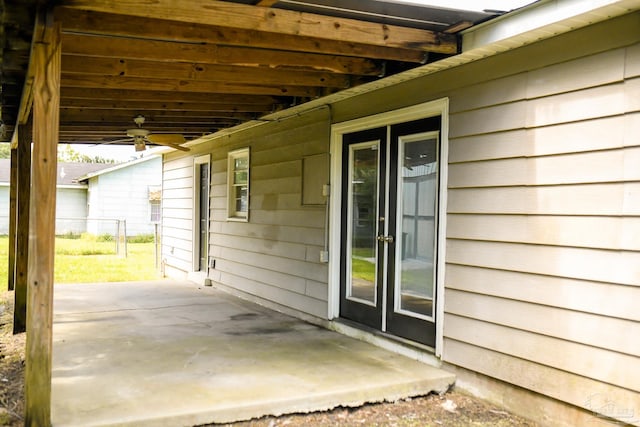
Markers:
point(137, 132)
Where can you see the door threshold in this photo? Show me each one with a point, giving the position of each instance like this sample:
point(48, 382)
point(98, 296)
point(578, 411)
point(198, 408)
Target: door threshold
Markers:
point(395, 344)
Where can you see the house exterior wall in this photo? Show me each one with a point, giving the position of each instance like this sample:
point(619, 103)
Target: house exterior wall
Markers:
point(543, 219)
point(123, 193)
point(276, 254)
point(71, 209)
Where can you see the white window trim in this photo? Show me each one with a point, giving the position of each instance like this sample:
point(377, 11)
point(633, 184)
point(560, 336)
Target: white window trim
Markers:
point(438, 107)
point(232, 215)
point(151, 204)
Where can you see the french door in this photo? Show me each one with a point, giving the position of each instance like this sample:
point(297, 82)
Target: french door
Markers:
point(390, 191)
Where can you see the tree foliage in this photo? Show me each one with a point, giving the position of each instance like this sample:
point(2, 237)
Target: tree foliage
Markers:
point(68, 154)
point(5, 150)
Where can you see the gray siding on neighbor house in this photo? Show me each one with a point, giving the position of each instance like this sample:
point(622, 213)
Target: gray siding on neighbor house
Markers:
point(71, 209)
point(543, 224)
point(122, 192)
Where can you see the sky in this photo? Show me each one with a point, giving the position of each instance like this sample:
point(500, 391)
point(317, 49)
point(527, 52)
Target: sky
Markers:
point(116, 152)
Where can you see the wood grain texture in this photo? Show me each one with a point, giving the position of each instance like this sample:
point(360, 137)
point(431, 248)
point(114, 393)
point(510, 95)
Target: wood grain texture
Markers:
point(46, 60)
point(13, 196)
point(23, 183)
point(276, 21)
point(97, 23)
point(208, 53)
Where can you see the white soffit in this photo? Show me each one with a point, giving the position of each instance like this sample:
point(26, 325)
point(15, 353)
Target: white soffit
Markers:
point(544, 19)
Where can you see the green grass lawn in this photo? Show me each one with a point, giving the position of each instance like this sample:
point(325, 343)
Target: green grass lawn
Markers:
point(87, 260)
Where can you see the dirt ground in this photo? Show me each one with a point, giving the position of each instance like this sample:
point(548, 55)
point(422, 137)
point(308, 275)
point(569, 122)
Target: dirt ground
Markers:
point(452, 409)
point(11, 366)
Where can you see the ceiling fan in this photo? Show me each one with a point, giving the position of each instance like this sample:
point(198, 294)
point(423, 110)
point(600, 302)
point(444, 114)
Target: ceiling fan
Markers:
point(140, 136)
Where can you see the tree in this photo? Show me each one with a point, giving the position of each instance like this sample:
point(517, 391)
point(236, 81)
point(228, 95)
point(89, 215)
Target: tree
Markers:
point(5, 150)
point(66, 153)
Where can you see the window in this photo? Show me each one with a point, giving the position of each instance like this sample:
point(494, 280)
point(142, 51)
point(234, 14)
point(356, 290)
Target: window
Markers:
point(238, 182)
point(155, 197)
point(155, 212)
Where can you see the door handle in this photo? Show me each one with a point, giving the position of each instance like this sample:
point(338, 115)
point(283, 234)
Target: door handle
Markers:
point(387, 239)
point(380, 238)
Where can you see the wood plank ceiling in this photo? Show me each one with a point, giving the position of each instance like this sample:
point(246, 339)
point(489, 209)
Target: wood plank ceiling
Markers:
point(194, 67)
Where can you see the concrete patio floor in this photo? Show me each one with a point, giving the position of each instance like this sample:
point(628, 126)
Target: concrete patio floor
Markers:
point(177, 354)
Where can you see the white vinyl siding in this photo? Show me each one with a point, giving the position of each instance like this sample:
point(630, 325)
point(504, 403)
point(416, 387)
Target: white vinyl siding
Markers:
point(543, 252)
point(275, 257)
point(542, 274)
point(177, 214)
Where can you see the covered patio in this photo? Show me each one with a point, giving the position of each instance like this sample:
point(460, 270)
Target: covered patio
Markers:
point(175, 353)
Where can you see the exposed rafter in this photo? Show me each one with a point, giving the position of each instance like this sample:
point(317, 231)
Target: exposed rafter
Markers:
point(195, 67)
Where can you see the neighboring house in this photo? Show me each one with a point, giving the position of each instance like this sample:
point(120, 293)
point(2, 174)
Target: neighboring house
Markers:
point(128, 191)
point(71, 196)
point(484, 208)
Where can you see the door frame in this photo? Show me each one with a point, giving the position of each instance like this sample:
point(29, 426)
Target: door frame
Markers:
point(197, 161)
point(438, 107)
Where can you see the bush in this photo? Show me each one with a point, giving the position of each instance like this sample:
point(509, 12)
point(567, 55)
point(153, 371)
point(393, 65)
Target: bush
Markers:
point(105, 238)
point(141, 238)
point(70, 235)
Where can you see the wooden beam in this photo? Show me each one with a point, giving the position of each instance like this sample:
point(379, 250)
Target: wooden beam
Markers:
point(280, 21)
point(101, 104)
point(184, 118)
point(87, 22)
point(138, 83)
point(13, 195)
point(72, 64)
point(163, 96)
point(266, 3)
point(22, 226)
point(206, 53)
point(166, 96)
point(119, 129)
point(46, 60)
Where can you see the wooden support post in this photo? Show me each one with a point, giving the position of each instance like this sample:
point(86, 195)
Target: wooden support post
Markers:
point(13, 194)
point(46, 59)
point(22, 227)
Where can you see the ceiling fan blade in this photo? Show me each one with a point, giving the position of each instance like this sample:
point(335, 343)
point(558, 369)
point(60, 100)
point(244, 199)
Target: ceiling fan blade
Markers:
point(116, 141)
point(168, 144)
point(166, 138)
point(170, 140)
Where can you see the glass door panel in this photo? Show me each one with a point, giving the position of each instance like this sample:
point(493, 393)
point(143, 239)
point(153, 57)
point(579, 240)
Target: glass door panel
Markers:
point(416, 218)
point(362, 213)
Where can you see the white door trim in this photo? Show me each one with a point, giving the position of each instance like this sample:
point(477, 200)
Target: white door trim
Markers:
point(438, 107)
point(195, 262)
